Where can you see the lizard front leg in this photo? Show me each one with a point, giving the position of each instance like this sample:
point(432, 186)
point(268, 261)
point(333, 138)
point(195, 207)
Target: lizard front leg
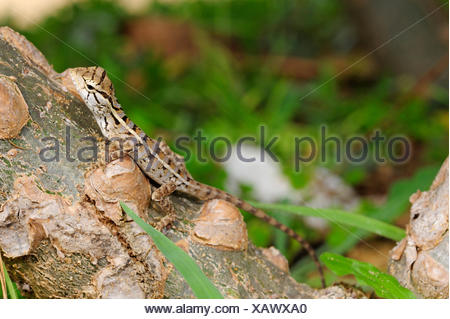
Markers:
point(119, 146)
point(160, 197)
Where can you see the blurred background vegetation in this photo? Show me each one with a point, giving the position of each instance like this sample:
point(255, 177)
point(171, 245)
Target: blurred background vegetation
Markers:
point(226, 67)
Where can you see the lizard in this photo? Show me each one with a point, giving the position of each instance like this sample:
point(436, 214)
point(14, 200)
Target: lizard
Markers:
point(157, 161)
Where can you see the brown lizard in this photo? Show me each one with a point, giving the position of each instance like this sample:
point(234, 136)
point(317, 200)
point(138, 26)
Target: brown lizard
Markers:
point(155, 158)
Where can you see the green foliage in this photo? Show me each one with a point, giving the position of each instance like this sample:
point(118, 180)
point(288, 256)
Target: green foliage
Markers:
point(279, 26)
point(384, 285)
point(191, 272)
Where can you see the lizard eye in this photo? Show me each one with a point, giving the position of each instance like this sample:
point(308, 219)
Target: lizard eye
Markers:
point(90, 87)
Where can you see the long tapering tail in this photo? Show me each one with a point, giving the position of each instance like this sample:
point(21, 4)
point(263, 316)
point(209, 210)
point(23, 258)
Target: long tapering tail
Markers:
point(272, 221)
point(210, 192)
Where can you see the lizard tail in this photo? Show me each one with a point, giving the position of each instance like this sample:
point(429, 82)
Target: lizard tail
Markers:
point(214, 193)
point(272, 221)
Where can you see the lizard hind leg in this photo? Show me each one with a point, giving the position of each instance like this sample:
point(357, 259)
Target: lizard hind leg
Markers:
point(162, 201)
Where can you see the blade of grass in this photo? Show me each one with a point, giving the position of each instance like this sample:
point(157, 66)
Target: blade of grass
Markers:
point(281, 240)
point(13, 293)
point(340, 217)
point(200, 284)
point(10, 286)
point(384, 285)
point(3, 290)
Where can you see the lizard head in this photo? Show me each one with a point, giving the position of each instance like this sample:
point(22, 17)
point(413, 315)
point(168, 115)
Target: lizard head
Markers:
point(96, 89)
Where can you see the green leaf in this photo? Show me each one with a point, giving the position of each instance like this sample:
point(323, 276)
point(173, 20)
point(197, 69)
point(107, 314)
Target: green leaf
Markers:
point(340, 217)
point(200, 284)
point(11, 289)
point(384, 285)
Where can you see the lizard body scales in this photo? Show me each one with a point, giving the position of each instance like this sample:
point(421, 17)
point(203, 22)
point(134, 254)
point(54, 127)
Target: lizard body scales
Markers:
point(155, 158)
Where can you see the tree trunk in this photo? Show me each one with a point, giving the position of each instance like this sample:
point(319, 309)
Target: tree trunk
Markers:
point(420, 260)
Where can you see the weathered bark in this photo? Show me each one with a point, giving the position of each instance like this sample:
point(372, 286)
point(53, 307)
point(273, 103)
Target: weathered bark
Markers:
point(62, 232)
point(420, 260)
